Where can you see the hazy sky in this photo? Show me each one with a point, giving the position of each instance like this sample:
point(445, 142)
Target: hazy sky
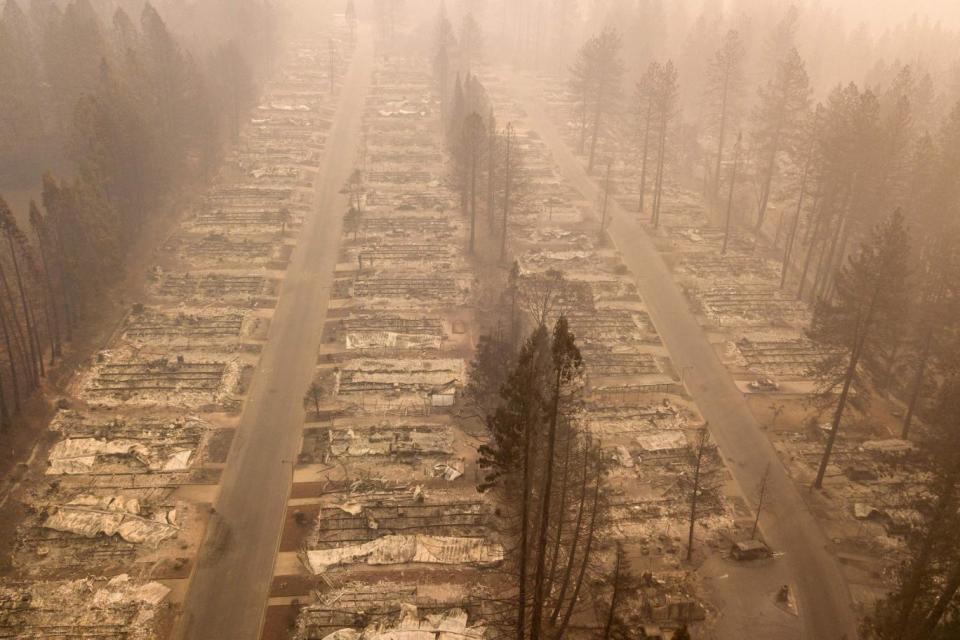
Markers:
point(884, 13)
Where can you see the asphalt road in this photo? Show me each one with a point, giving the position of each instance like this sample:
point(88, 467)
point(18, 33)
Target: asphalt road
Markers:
point(230, 585)
point(825, 605)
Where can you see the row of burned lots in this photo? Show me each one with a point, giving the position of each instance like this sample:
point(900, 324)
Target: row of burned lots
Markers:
point(732, 277)
point(625, 480)
point(386, 493)
point(115, 512)
point(775, 270)
point(385, 530)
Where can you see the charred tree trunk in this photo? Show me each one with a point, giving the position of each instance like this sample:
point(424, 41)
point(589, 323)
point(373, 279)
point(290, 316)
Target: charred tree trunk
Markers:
point(950, 588)
point(562, 507)
point(837, 415)
point(68, 307)
point(524, 532)
point(591, 534)
point(606, 201)
point(824, 258)
point(788, 249)
point(4, 412)
point(473, 199)
point(568, 572)
point(29, 365)
point(733, 184)
point(917, 385)
point(536, 622)
point(826, 265)
point(36, 353)
point(508, 177)
point(11, 357)
point(910, 590)
point(698, 465)
point(491, 173)
point(608, 627)
point(813, 212)
point(52, 313)
point(646, 153)
point(767, 182)
point(804, 177)
point(658, 180)
point(514, 332)
point(856, 351)
point(596, 129)
point(35, 347)
point(583, 125)
point(49, 309)
point(836, 261)
point(890, 357)
point(788, 245)
point(811, 249)
point(723, 130)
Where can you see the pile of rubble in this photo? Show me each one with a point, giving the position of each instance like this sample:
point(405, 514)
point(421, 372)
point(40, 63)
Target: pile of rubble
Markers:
point(89, 608)
point(875, 485)
point(384, 611)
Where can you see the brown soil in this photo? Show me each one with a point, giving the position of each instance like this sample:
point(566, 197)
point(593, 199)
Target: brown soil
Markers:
point(278, 622)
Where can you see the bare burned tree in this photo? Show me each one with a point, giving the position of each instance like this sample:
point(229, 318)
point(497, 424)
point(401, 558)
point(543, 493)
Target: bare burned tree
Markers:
point(492, 168)
point(554, 485)
point(847, 179)
point(933, 317)
point(53, 309)
point(665, 100)
point(541, 296)
point(934, 203)
point(788, 249)
point(514, 186)
point(702, 482)
point(313, 396)
point(646, 92)
point(608, 190)
point(19, 317)
point(733, 184)
point(866, 309)
point(724, 88)
point(920, 606)
point(444, 43)
point(470, 156)
point(624, 585)
point(761, 495)
point(471, 42)
point(777, 121)
point(595, 79)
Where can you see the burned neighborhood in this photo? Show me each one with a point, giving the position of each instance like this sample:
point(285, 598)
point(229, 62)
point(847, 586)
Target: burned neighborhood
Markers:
point(396, 319)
